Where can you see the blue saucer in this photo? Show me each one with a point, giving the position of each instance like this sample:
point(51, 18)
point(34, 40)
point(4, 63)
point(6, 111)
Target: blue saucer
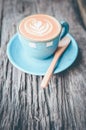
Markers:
point(30, 65)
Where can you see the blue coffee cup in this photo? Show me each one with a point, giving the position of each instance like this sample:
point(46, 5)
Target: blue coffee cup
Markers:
point(45, 48)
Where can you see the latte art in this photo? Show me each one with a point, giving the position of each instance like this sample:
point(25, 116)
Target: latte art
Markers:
point(36, 27)
point(39, 27)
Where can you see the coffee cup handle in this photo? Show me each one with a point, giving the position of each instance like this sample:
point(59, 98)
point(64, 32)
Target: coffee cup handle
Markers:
point(65, 29)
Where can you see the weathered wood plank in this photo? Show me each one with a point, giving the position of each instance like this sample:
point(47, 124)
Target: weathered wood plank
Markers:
point(13, 94)
point(82, 8)
point(68, 113)
point(1, 17)
point(46, 108)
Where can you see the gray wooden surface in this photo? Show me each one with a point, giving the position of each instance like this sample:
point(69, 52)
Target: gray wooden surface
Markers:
point(23, 104)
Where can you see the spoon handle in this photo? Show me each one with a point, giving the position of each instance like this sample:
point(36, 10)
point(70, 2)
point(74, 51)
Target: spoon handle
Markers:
point(57, 55)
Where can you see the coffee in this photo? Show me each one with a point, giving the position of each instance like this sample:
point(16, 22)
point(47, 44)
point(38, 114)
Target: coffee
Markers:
point(40, 34)
point(39, 27)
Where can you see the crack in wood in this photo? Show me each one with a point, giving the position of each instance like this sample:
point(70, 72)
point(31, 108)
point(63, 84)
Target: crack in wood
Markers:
point(1, 19)
point(82, 8)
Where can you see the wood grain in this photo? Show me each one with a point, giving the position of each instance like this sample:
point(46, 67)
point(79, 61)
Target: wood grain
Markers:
point(24, 105)
point(82, 8)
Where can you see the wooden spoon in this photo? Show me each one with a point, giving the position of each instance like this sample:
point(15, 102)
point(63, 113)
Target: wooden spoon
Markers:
point(63, 44)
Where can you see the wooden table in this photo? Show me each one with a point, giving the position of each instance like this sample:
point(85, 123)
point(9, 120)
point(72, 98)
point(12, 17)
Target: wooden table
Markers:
point(24, 105)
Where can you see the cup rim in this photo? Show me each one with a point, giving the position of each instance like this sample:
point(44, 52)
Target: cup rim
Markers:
point(33, 40)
